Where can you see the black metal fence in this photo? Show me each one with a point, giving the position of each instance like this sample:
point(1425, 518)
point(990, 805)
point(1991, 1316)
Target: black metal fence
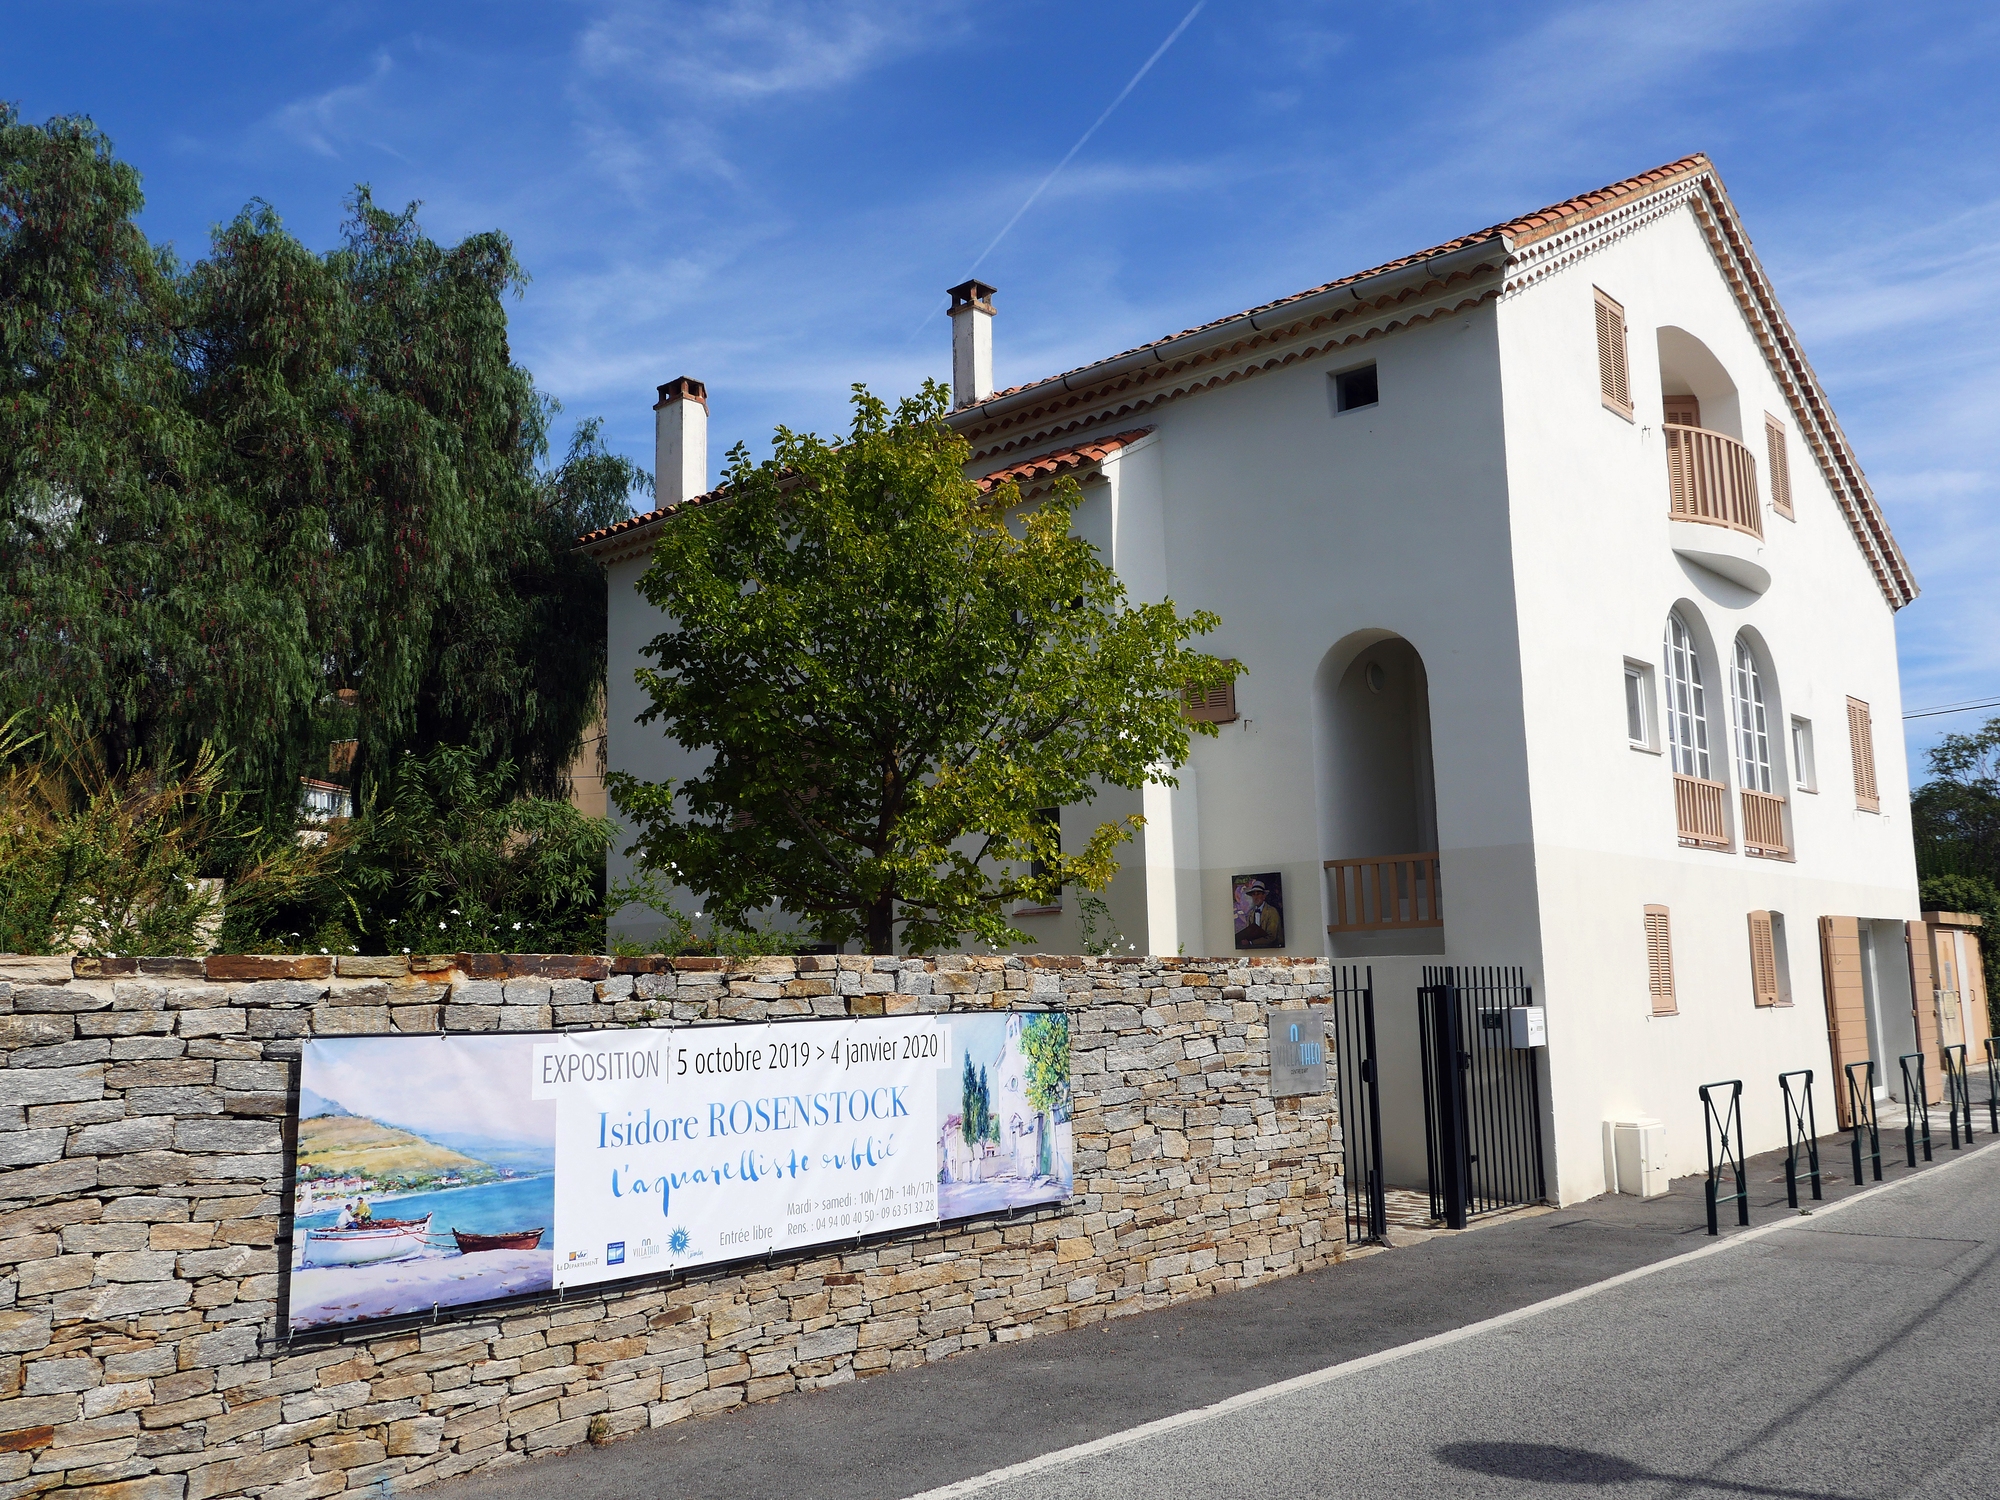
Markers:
point(1865, 1129)
point(1351, 1004)
point(1723, 1130)
point(1801, 1132)
point(1482, 1094)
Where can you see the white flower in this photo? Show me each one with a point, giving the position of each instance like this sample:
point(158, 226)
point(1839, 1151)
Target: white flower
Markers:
point(440, 927)
point(454, 911)
point(406, 950)
point(322, 950)
point(517, 926)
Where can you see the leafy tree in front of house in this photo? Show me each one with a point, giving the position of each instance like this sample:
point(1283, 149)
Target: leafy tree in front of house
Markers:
point(889, 673)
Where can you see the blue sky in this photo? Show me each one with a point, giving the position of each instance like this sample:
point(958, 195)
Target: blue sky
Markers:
point(771, 196)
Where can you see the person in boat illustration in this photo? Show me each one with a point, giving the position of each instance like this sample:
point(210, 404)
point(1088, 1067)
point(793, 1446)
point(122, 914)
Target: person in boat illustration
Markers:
point(345, 1219)
point(363, 1214)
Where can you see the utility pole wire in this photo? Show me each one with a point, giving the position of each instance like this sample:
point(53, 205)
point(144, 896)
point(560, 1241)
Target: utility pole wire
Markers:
point(1081, 141)
point(1955, 708)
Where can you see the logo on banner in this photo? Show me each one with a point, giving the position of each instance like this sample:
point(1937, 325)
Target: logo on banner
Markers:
point(678, 1241)
point(614, 1253)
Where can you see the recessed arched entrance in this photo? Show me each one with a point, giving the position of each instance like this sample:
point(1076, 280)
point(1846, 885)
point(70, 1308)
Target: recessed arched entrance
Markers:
point(1377, 799)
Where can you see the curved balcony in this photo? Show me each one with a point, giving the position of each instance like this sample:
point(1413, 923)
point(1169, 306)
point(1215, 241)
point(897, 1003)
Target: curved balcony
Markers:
point(1712, 480)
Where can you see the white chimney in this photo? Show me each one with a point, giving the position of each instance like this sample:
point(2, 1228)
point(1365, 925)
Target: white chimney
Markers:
point(680, 441)
point(971, 342)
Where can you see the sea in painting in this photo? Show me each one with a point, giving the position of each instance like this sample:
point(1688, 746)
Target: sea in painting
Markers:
point(1004, 1138)
point(426, 1177)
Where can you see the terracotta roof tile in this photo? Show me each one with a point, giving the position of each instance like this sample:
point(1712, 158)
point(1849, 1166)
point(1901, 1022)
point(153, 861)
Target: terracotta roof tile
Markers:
point(1527, 227)
point(633, 523)
point(1062, 461)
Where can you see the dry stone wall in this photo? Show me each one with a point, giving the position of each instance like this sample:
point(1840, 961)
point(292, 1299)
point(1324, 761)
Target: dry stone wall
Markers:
point(143, 1194)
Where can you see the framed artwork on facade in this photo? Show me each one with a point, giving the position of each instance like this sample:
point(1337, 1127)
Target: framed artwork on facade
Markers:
point(1259, 910)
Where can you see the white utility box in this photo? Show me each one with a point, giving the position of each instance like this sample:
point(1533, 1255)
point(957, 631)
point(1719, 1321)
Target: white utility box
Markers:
point(1639, 1151)
point(1527, 1026)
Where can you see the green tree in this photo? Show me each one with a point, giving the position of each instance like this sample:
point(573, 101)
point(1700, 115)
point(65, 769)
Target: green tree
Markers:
point(1045, 1046)
point(969, 1124)
point(889, 673)
point(231, 489)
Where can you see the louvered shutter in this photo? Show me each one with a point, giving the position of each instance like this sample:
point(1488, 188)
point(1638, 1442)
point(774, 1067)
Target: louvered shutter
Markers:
point(1780, 465)
point(1846, 1005)
point(1660, 961)
point(1861, 740)
point(1763, 959)
point(1683, 411)
point(1614, 382)
point(1215, 705)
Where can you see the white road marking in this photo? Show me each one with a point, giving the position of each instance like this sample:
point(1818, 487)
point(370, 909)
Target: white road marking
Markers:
point(1110, 1443)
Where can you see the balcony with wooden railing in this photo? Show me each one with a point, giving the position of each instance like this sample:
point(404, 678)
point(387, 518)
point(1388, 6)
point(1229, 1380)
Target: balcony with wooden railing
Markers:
point(1764, 825)
point(1385, 893)
point(1701, 812)
point(1712, 479)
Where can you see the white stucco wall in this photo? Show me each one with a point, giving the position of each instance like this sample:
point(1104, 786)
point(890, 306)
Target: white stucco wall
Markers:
point(1597, 575)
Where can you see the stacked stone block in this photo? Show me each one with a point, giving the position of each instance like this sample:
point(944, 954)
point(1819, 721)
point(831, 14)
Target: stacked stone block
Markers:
point(143, 1193)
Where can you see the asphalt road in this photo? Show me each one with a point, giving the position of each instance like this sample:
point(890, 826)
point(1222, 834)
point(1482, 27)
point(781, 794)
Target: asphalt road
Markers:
point(1841, 1354)
point(1848, 1355)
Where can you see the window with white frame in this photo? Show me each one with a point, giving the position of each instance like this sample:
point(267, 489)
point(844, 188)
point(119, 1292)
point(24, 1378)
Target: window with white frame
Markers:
point(1687, 704)
point(1640, 713)
point(1753, 738)
point(1805, 776)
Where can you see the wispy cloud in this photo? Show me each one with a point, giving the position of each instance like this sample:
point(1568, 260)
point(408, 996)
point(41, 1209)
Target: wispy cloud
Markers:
point(326, 121)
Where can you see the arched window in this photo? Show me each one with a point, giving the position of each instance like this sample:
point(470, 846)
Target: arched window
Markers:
point(1753, 735)
point(1687, 705)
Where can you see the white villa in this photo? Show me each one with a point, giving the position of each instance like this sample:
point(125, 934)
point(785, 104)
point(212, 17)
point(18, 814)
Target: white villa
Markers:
point(1566, 620)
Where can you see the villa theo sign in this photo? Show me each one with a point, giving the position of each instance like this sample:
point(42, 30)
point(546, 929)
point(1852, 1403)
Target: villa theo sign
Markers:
point(437, 1172)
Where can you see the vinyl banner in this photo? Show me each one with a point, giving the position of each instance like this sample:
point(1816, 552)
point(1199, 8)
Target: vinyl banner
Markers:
point(437, 1172)
point(702, 1144)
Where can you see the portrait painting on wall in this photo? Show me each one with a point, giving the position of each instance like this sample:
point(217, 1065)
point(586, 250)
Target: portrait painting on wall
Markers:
point(1259, 902)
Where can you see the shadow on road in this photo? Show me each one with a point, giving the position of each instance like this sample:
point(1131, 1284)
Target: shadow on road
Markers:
point(1549, 1463)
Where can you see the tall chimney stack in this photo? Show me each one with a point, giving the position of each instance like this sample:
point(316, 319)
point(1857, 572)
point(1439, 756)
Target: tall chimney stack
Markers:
point(971, 342)
point(680, 441)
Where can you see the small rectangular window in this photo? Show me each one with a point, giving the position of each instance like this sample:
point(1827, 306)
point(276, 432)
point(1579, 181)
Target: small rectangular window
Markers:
point(1216, 705)
point(1805, 775)
point(1614, 379)
point(1660, 961)
point(1861, 741)
point(1640, 714)
point(1047, 819)
point(1780, 465)
point(1355, 388)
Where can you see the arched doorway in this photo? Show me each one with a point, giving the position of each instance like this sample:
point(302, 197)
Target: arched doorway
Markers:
point(1378, 799)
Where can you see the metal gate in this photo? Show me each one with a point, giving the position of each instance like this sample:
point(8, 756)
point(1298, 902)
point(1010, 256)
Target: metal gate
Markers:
point(1352, 1002)
point(1482, 1096)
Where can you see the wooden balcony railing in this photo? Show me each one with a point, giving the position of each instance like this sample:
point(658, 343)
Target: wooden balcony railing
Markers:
point(1764, 824)
point(1699, 812)
point(1385, 893)
point(1713, 479)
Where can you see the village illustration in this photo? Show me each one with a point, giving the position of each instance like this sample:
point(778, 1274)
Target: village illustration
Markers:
point(1003, 1133)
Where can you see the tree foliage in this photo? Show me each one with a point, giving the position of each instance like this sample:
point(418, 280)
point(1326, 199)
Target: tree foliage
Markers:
point(1045, 1046)
point(97, 858)
point(890, 673)
point(230, 489)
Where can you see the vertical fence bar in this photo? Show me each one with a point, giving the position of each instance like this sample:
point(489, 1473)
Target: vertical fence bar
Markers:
point(1378, 1194)
point(1730, 1156)
point(1912, 1102)
point(1801, 1131)
point(1993, 1083)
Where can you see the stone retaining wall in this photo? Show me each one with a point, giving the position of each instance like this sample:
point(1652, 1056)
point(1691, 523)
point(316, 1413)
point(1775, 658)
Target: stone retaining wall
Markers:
point(143, 1197)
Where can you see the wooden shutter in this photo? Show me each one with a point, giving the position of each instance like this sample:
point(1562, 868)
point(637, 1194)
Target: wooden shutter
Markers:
point(1861, 739)
point(1613, 378)
point(1972, 999)
point(1660, 961)
point(1763, 960)
point(1846, 1005)
point(1780, 465)
point(1683, 411)
point(1215, 706)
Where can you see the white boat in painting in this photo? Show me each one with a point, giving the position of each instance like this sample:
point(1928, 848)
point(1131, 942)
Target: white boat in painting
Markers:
point(383, 1239)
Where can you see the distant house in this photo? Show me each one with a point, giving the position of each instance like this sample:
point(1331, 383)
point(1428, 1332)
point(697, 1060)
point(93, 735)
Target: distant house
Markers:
point(1565, 618)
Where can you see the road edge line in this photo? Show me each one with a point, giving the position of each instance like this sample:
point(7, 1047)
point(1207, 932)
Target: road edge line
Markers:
point(1243, 1400)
